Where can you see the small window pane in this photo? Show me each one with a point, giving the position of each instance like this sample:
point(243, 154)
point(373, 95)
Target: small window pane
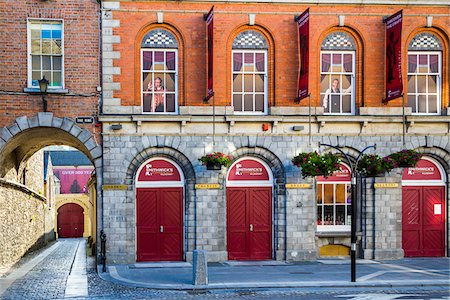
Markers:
point(412, 63)
point(35, 46)
point(158, 102)
point(348, 63)
point(48, 75)
point(422, 104)
point(56, 79)
point(259, 83)
point(159, 56)
point(423, 63)
point(147, 102)
point(57, 63)
point(434, 66)
point(56, 47)
point(335, 103)
point(346, 104)
point(328, 215)
point(36, 62)
point(260, 63)
point(248, 83)
point(237, 102)
point(337, 63)
point(170, 102)
point(35, 76)
point(147, 81)
point(170, 82)
point(46, 62)
point(319, 194)
point(432, 104)
point(328, 194)
point(346, 84)
point(35, 33)
point(147, 60)
point(170, 61)
point(326, 62)
point(412, 102)
point(45, 33)
point(340, 193)
point(237, 83)
point(259, 102)
point(340, 214)
point(248, 102)
point(411, 84)
point(56, 33)
point(319, 215)
point(46, 47)
point(421, 84)
point(324, 83)
point(432, 83)
point(248, 62)
point(237, 61)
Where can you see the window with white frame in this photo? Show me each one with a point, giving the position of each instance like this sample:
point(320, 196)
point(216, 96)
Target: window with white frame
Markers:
point(337, 74)
point(424, 74)
point(45, 48)
point(334, 201)
point(159, 70)
point(249, 73)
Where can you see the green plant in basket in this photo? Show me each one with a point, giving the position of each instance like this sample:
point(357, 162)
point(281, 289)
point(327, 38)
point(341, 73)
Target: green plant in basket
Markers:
point(315, 164)
point(405, 158)
point(370, 165)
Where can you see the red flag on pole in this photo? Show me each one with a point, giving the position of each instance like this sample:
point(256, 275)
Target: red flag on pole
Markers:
point(303, 47)
point(394, 83)
point(210, 34)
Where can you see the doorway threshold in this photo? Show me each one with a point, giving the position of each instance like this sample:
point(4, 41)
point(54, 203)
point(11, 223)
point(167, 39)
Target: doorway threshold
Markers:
point(161, 264)
point(234, 263)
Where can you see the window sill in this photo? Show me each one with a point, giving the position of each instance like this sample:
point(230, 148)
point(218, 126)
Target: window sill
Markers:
point(333, 233)
point(49, 91)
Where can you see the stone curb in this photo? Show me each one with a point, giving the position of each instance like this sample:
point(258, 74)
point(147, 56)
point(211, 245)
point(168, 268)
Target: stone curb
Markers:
point(112, 276)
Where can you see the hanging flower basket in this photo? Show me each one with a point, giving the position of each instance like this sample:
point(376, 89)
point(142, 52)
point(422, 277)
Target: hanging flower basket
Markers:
point(371, 165)
point(405, 158)
point(215, 160)
point(314, 164)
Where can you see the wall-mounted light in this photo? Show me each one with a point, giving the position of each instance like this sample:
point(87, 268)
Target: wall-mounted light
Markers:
point(43, 85)
point(116, 126)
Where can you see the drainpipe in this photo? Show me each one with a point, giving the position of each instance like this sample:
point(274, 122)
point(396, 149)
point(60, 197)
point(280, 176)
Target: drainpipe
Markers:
point(364, 186)
point(195, 218)
point(285, 219)
point(373, 218)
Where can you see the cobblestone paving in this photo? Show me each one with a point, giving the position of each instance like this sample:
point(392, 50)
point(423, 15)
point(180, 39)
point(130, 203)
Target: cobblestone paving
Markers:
point(47, 280)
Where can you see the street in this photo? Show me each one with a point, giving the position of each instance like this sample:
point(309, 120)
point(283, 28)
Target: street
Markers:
point(64, 272)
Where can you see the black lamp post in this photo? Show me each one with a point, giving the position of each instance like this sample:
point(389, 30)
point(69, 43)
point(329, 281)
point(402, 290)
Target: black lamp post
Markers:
point(43, 85)
point(354, 174)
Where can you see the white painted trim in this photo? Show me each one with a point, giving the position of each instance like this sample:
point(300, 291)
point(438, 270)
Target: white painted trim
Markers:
point(243, 183)
point(333, 228)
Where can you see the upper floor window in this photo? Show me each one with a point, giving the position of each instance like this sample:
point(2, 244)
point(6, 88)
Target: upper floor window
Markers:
point(159, 69)
point(424, 74)
point(250, 73)
point(45, 53)
point(337, 74)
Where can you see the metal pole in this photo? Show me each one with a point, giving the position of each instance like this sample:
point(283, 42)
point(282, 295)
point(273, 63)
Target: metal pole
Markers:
point(404, 119)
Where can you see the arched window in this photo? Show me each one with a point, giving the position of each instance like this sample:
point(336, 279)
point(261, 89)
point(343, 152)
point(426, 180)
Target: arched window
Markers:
point(159, 69)
point(424, 74)
point(250, 73)
point(337, 73)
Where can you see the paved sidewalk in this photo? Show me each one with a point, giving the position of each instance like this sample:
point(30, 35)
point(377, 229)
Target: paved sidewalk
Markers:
point(271, 274)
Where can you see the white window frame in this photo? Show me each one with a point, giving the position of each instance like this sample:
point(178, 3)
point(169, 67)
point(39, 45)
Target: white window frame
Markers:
point(29, 58)
point(266, 77)
point(438, 82)
point(159, 71)
point(352, 74)
point(333, 228)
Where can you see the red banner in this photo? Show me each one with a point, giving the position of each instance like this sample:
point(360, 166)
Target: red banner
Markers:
point(248, 169)
point(394, 83)
point(159, 170)
point(209, 18)
point(424, 170)
point(73, 180)
point(343, 174)
point(303, 47)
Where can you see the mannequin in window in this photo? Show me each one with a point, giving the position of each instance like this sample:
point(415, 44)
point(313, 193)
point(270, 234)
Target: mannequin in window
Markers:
point(332, 96)
point(157, 104)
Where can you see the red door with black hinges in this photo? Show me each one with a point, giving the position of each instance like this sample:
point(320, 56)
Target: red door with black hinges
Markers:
point(159, 224)
point(70, 221)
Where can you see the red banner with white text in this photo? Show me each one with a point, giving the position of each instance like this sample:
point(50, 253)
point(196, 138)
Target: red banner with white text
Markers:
point(393, 76)
point(303, 46)
point(209, 18)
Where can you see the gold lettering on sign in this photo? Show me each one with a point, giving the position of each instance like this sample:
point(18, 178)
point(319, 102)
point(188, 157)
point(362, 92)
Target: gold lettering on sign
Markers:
point(298, 185)
point(114, 187)
point(206, 186)
point(384, 185)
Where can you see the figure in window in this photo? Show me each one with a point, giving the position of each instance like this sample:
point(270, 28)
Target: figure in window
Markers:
point(157, 103)
point(332, 96)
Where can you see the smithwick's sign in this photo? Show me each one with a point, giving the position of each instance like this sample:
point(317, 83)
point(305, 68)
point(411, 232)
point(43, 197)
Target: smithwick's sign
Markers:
point(424, 170)
point(248, 169)
point(343, 174)
point(159, 170)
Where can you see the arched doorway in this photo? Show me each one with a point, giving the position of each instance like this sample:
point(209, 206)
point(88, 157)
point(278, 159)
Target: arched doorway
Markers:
point(423, 209)
point(70, 221)
point(249, 210)
point(159, 211)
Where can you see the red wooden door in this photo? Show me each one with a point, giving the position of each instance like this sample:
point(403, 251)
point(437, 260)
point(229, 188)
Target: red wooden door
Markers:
point(159, 224)
point(70, 221)
point(249, 223)
point(423, 223)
